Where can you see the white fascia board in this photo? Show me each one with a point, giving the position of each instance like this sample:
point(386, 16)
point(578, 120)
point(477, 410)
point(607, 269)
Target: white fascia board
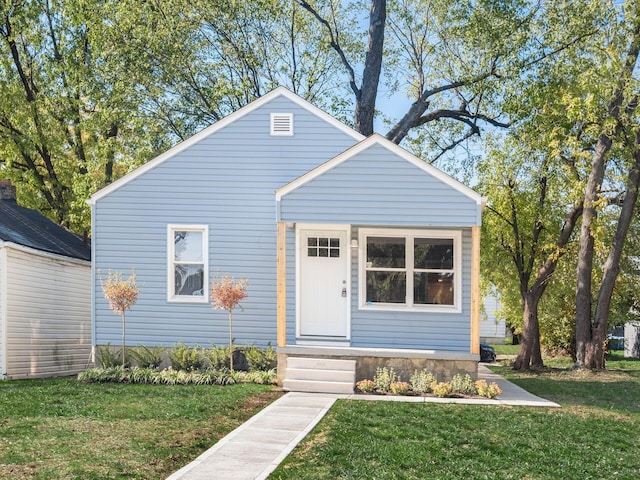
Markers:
point(259, 102)
point(377, 139)
point(41, 253)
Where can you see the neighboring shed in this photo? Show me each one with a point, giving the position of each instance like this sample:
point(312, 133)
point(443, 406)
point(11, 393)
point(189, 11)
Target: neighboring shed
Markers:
point(354, 248)
point(45, 294)
point(492, 328)
point(632, 339)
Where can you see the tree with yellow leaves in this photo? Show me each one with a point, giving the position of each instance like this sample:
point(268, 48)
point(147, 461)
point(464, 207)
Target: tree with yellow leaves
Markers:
point(122, 295)
point(226, 293)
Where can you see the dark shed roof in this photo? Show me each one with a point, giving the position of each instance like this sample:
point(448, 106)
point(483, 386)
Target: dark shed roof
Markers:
point(30, 228)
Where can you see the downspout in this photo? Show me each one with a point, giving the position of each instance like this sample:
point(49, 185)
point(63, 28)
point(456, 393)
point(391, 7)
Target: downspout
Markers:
point(93, 282)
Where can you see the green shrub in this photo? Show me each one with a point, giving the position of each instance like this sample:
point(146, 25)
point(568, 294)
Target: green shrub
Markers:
point(170, 376)
point(147, 357)
point(260, 359)
point(421, 381)
point(463, 384)
point(262, 377)
point(109, 357)
point(186, 358)
point(217, 357)
point(384, 378)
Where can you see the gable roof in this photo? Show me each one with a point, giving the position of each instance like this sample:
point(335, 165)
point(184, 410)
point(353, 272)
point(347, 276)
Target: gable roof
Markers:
point(377, 139)
point(30, 228)
point(278, 92)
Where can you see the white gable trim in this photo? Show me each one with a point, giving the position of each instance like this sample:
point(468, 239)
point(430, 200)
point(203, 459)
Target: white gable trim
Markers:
point(377, 139)
point(280, 91)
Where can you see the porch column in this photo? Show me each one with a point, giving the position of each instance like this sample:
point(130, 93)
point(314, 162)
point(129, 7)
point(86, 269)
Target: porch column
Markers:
point(281, 295)
point(475, 289)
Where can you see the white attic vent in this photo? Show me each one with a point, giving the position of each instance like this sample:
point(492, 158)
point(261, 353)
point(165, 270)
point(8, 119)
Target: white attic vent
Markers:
point(282, 124)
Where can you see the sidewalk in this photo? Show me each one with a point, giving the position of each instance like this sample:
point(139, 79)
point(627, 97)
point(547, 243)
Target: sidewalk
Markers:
point(254, 449)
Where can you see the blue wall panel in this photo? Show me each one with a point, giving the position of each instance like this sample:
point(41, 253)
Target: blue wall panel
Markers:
point(226, 181)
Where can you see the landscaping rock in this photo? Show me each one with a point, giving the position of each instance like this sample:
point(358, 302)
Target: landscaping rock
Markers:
point(240, 361)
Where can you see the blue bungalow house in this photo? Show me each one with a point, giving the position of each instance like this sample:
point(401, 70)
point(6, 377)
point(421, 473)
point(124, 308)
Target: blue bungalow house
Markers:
point(358, 254)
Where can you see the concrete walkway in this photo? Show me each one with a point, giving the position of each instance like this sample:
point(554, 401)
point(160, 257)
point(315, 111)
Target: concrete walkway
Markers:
point(254, 449)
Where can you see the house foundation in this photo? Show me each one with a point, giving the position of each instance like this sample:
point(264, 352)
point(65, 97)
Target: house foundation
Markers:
point(444, 365)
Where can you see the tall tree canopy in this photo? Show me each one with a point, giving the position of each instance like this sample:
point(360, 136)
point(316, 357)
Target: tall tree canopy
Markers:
point(615, 161)
point(66, 126)
point(580, 124)
point(95, 87)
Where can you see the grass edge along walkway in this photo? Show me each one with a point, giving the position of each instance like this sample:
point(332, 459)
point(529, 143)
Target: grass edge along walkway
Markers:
point(61, 428)
point(594, 435)
point(255, 449)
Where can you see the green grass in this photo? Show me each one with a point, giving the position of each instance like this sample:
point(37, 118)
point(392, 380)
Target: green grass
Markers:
point(64, 429)
point(504, 349)
point(594, 435)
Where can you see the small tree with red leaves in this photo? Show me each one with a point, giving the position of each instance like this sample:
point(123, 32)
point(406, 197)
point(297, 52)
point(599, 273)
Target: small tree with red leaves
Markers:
point(226, 294)
point(122, 295)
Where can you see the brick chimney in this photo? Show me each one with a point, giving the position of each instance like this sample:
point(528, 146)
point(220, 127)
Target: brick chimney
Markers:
point(7, 191)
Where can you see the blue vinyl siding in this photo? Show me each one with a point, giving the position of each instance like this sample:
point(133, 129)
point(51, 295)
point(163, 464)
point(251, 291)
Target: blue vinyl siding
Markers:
point(226, 181)
point(415, 329)
point(375, 187)
point(400, 329)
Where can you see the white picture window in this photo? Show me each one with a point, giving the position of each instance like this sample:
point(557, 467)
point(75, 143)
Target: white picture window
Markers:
point(187, 263)
point(402, 269)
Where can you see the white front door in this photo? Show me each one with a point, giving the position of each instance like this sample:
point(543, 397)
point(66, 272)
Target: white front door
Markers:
point(324, 283)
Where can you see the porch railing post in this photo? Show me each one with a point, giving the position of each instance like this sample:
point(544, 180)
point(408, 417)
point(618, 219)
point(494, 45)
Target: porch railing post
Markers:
point(475, 289)
point(281, 295)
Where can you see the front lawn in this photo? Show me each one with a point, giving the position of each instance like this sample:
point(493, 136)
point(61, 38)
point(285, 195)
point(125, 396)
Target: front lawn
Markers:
point(595, 434)
point(64, 429)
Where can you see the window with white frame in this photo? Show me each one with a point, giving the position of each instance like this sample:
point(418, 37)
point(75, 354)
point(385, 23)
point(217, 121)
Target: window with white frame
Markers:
point(187, 263)
point(403, 269)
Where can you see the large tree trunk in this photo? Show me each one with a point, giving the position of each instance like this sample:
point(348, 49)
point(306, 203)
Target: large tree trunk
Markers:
point(590, 337)
point(595, 348)
point(530, 355)
point(366, 101)
point(585, 254)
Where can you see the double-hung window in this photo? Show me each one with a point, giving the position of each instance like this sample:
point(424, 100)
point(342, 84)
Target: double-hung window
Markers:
point(410, 269)
point(187, 269)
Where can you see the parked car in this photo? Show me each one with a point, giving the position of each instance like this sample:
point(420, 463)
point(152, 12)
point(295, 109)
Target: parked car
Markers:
point(487, 353)
point(616, 342)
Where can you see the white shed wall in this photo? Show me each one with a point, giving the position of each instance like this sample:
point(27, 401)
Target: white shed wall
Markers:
point(492, 329)
point(3, 312)
point(48, 314)
point(632, 340)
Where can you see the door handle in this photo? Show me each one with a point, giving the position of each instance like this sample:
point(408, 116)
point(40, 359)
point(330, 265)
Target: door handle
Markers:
point(344, 292)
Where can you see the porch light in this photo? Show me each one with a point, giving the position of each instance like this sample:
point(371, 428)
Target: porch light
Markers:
point(354, 243)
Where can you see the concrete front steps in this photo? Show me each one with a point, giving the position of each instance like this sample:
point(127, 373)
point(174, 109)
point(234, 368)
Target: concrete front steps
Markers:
point(319, 375)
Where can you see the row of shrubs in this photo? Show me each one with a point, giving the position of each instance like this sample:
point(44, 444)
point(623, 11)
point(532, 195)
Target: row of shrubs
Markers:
point(423, 382)
point(183, 365)
point(169, 376)
point(186, 358)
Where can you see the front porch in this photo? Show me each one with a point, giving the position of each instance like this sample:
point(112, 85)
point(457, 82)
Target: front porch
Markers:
point(443, 364)
point(325, 364)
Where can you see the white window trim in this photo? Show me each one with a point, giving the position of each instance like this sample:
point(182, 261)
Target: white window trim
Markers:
point(455, 235)
point(281, 133)
point(171, 228)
